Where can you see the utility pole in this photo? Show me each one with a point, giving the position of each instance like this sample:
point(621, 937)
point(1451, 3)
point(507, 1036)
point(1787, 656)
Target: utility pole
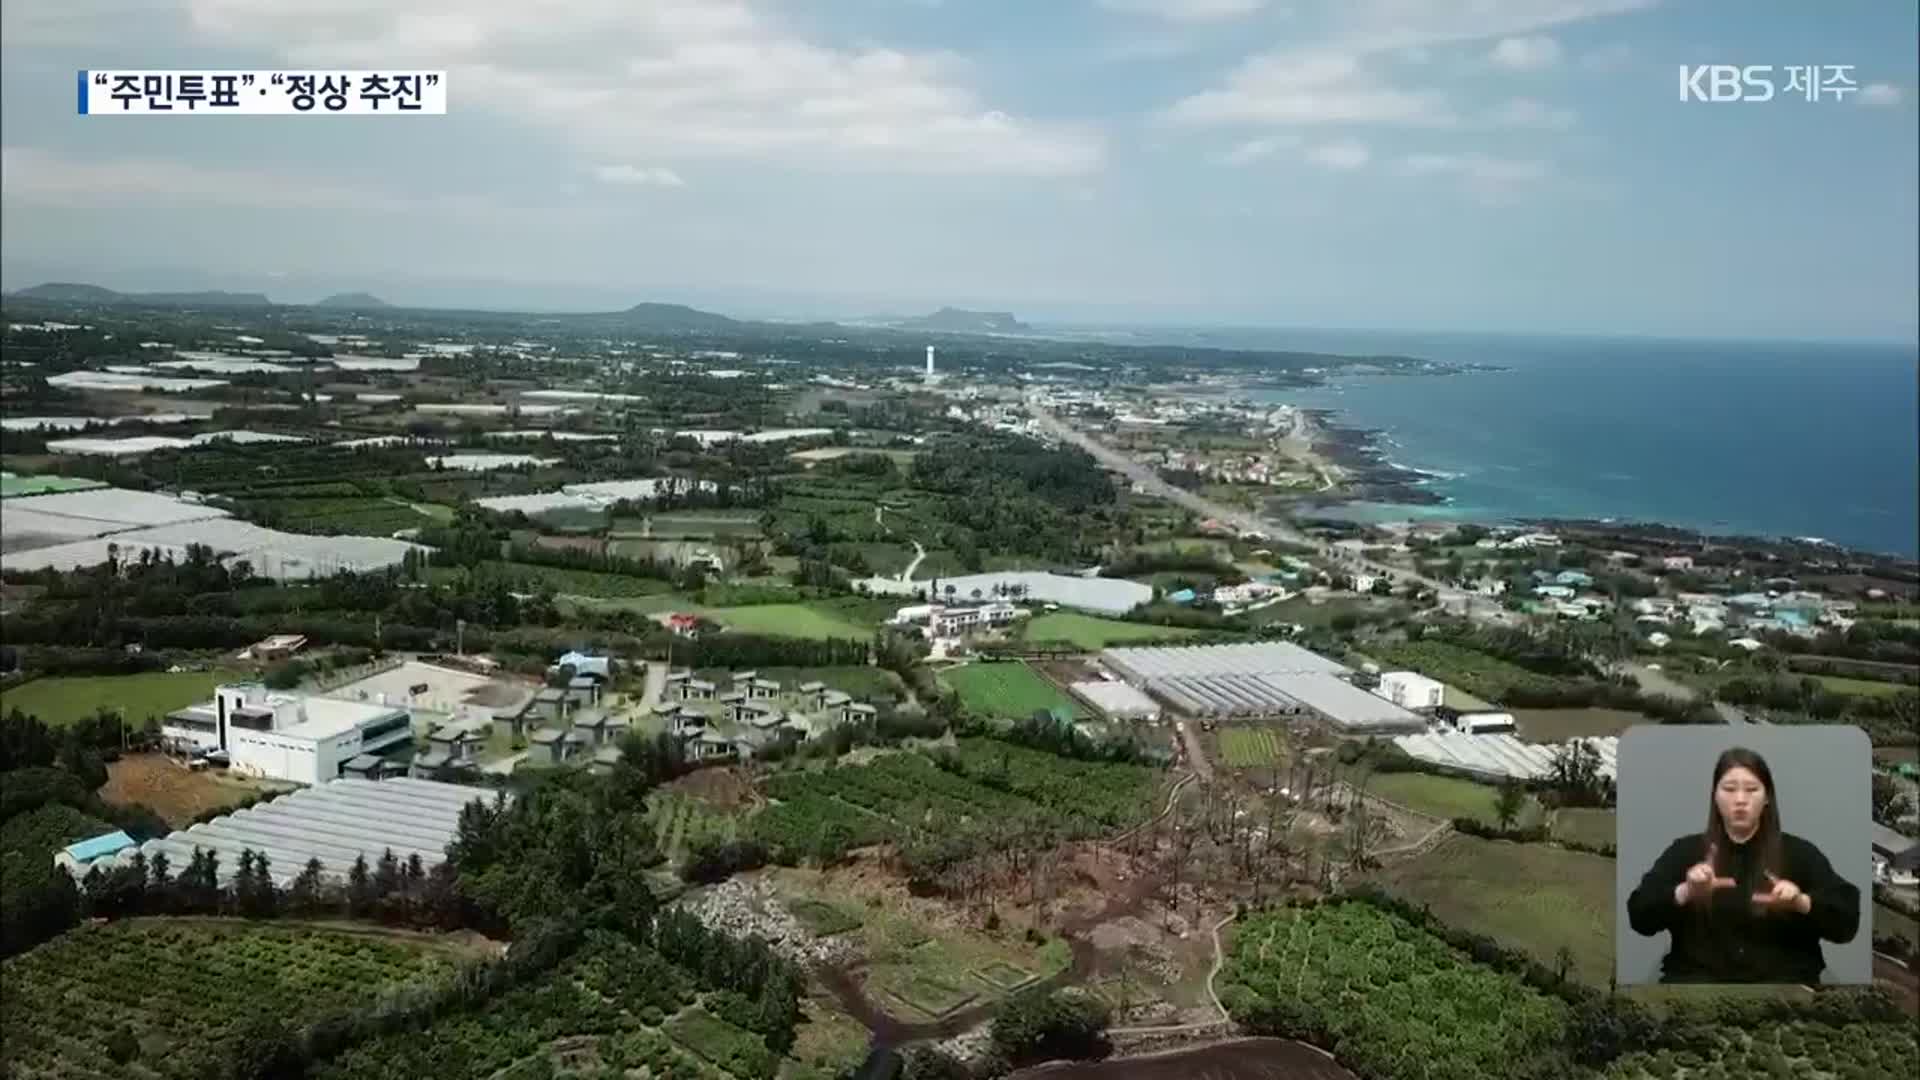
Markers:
point(460, 637)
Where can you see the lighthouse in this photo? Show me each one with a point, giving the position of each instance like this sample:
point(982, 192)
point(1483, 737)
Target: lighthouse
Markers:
point(929, 362)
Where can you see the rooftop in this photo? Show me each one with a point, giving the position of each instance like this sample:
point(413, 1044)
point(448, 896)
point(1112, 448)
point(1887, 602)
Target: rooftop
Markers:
point(325, 716)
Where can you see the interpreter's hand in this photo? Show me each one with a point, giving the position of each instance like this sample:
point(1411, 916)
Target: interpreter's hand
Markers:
point(1700, 882)
point(1783, 898)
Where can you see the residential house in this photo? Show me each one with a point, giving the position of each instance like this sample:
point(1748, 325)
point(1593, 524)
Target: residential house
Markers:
point(762, 689)
point(687, 721)
point(460, 740)
point(697, 690)
point(958, 621)
point(547, 746)
point(743, 712)
point(577, 743)
point(857, 710)
point(554, 704)
point(615, 728)
point(1677, 562)
point(683, 624)
point(1577, 578)
point(605, 758)
point(592, 724)
point(812, 696)
point(673, 683)
point(710, 746)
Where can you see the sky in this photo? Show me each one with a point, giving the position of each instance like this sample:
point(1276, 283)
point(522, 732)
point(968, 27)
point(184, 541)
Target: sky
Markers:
point(1459, 165)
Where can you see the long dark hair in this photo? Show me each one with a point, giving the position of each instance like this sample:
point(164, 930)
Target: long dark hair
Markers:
point(1767, 835)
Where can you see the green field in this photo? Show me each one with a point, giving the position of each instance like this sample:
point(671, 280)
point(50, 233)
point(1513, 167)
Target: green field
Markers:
point(865, 683)
point(679, 821)
point(1534, 897)
point(59, 700)
point(1005, 690)
point(368, 516)
point(789, 620)
point(1841, 684)
point(1092, 632)
point(688, 526)
point(1559, 725)
point(1250, 747)
point(588, 583)
point(1445, 797)
point(68, 996)
point(1583, 825)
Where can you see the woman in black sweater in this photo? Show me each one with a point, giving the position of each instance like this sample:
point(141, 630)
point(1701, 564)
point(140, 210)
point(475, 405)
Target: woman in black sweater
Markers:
point(1744, 901)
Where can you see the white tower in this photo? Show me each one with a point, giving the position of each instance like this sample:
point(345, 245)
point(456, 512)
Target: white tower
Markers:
point(929, 361)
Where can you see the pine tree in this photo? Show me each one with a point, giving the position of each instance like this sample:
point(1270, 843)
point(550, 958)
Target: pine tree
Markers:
point(360, 894)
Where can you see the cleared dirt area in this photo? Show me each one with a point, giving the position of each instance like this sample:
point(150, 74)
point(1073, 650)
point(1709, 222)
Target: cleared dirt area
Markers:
point(728, 788)
point(174, 792)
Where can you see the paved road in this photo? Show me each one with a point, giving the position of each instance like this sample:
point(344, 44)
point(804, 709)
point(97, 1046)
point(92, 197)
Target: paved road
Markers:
point(1144, 476)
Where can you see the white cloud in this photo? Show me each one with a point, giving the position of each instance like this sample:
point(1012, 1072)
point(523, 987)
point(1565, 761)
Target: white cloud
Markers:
point(657, 80)
point(1491, 179)
point(1337, 77)
point(1186, 10)
point(638, 176)
point(1528, 113)
point(1254, 150)
point(1324, 88)
point(1526, 53)
point(1879, 93)
point(1342, 155)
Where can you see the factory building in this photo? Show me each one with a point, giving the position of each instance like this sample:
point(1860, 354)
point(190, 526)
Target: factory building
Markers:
point(286, 736)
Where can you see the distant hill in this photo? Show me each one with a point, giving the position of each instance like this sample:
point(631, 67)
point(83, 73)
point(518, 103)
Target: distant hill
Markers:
point(674, 317)
point(960, 321)
point(71, 293)
point(355, 300)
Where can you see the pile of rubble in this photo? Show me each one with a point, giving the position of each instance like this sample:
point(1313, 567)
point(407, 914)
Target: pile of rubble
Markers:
point(742, 908)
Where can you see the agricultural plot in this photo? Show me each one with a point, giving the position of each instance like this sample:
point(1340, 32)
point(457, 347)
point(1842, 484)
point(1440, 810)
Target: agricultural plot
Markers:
point(736, 1051)
point(1535, 897)
point(1583, 825)
point(681, 821)
point(1477, 673)
point(1090, 632)
point(865, 683)
point(789, 620)
point(588, 583)
point(1011, 690)
point(1446, 797)
point(1391, 1001)
point(994, 785)
point(1250, 747)
point(88, 1003)
point(1809, 1050)
point(363, 516)
point(610, 998)
point(1559, 725)
point(59, 700)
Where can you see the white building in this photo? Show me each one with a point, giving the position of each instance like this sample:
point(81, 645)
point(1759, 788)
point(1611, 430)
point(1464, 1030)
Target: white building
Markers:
point(1411, 690)
point(948, 622)
point(1486, 723)
point(286, 736)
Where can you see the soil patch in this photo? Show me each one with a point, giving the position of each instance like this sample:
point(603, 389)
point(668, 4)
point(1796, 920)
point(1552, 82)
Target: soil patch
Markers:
point(728, 788)
point(174, 792)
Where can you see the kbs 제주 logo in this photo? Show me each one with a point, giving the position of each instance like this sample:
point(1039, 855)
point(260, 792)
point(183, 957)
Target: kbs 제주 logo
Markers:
point(1756, 82)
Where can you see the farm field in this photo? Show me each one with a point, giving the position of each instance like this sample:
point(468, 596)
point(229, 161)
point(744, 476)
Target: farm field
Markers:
point(368, 516)
point(1292, 972)
point(59, 700)
point(789, 620)
point(67, 997)
point(1841, 684)
point(1888, 921)
point(1011, 690)
point(1446, 797)
point(587, 583)
point(830, 811)
point(1559, 725)
point(1091, 632)
point(1250, 747)
point(1584, 825)
point(681, 821)
point(688, 526)
point(1477, 673)
point(1534, 897)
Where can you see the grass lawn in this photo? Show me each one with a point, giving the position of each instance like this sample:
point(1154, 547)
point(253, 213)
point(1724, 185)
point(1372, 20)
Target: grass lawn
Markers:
point(62, 699)
point(1455, 698)
point(1841, 684)
point(1888, 921)
point(1005, 690)
point(736, 1050)
point(1250, 747)
point(1534, 897)
point(1583, 825)
point(1091, 632)
point(830, 1044)
point(789, 620)
point(1559, 725)
point(1445, 797)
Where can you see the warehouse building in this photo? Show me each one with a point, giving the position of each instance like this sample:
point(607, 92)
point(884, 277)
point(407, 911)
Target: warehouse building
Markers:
point(336, 823)
point(1117, 700)
point(1498, 757)
point(285, 736)
point(1411, 690)
point(1258, 680)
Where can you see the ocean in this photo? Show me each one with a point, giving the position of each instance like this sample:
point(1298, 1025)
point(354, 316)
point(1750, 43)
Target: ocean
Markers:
point(1764, 439)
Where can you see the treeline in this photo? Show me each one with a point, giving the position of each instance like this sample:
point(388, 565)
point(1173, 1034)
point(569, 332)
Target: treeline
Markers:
point(1868, 639)
point(1136, 562)
point(1004, 494)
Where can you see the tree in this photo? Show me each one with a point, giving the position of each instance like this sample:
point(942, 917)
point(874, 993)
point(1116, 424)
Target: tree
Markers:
point(1889, 803)
point(303, 897)
point(1036, 1025)
point(1508, 803)
point(360, 892)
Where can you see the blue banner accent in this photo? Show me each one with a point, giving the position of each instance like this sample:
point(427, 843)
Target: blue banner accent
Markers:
point(83, 93)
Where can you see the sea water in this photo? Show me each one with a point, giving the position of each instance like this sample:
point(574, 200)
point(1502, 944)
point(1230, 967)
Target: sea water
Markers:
point(1764, 439)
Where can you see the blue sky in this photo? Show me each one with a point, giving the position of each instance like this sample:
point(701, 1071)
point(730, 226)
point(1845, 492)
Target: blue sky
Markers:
point(1479, 165)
